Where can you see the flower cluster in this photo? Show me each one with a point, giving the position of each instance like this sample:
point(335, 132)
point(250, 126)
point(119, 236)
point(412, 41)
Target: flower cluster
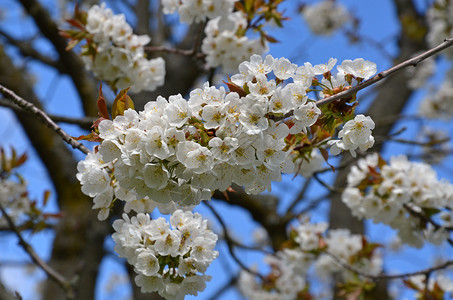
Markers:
point(310, 243)
point(440, 285)
point(116, 55)
point(436, 145)
point(197, 11)
point(355, 134)
point(419, 75)
point(175, 153)
point(167, 260)
point(14, 199)
point(402, 194)
point(225, 43)
point(440, 23)
point(325, 17)
point(438, 105)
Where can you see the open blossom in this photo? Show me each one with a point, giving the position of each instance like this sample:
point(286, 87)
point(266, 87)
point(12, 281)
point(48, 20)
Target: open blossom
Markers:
point(355, 134)
point(305, 116)
point(359, 68)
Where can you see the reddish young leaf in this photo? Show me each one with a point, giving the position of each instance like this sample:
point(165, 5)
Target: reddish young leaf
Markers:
point(76, 24)
point(96, 123)
point(235, 88)
point(46, 197)
point(226, 195)
point(92, 137)
point(325, 155)
point(102, 106)
point(53, 215)
point(3, 158)
point(270, 39)
point(239, 6)
point(21, 160)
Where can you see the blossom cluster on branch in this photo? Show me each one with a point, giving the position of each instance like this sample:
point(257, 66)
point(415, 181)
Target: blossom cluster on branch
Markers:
point(167, 260)
point(175, 153)
point(14, 197)
point(113, 53)
point(227, 40)
point(227, 45)
point(405, 195)
point(311, 246)
point(191, 11)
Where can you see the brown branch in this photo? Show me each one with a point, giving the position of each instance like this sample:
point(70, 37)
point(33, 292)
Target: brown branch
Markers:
point(27, 106)
point(331, 188)
point(52, 273)
point(27, 50)
point(85, 122)
point(262, 208)
point(229, 241)
point(410, 62)
point(427, 219)
point(184, 52)
point(299, 196)
point(71, 62)
point(224, 288)
point(422, 144)
point(388, 276)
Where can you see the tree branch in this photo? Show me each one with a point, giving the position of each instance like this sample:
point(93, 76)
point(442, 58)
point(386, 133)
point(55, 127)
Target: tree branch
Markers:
point(27, 106)
point(230, 242)
point(53, 274)
point(410, 62)
point(27, 50)
point(84, 123)
point(389, 276)
point(86, 87)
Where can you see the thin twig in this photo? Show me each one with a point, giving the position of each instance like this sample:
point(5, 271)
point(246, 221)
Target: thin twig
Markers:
point(230, 242)
point(27, 50)
point(300, 196)
point(410, 62)
point(422, 144)
point(52, 273)
point(331, 188)
point(85, 122)
point(229, 284)
point(183, 52)
point(427, 219)
point(24, 104)
point(313, 204)
point(388, 276)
